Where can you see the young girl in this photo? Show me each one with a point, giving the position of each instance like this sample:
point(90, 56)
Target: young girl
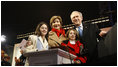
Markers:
point(74, 46)
point(37, 42)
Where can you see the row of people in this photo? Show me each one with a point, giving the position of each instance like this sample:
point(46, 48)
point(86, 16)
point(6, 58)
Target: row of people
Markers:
point(5, 59)
point(80, 41)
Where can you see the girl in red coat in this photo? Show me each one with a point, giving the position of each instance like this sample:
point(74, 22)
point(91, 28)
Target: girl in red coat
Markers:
point(74, 46)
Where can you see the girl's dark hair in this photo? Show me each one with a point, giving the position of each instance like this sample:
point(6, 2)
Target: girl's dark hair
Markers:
point(37, 31)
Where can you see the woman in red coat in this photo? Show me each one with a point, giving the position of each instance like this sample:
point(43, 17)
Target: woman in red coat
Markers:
point(74, 46)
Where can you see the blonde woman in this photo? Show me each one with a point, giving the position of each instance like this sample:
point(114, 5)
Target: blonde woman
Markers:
point(57, 33)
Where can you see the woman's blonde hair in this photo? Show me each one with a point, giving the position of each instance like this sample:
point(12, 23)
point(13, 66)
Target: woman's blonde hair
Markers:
point(76, 33)
point(55, 17)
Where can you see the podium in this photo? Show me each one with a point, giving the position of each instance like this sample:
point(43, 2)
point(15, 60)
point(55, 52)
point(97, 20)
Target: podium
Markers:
point(55, 56)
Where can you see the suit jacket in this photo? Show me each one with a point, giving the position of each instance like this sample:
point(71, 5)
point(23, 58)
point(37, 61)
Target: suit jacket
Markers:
point(89, 39)
point(54, 40)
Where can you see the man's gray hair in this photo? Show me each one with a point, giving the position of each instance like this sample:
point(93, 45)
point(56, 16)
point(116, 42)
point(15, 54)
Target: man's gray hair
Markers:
point(76, 12)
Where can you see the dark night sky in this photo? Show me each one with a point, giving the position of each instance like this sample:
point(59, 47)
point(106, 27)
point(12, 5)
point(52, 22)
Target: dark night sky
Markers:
point(19, 17)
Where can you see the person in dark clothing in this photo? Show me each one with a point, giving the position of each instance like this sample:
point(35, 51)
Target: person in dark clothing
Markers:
point(5, 61)
point(21, 60)
point(88, 34)
point(2, 55)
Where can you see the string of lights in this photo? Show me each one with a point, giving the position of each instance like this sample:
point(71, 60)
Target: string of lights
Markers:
point(70, 26)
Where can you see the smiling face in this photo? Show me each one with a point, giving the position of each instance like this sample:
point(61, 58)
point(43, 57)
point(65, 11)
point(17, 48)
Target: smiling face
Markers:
point(56, 24)
point(76, 18)
point(72, 35)
point(43, 30)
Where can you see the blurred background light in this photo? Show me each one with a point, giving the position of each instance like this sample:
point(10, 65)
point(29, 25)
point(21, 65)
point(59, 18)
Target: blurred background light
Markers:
point(3, 38)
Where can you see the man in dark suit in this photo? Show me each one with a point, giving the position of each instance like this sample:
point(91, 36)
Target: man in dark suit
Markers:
point(21, 60)
point(88, 34)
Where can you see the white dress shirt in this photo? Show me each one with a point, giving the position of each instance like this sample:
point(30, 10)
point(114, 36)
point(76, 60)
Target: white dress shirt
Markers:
point(72, 42)
point(81, 27)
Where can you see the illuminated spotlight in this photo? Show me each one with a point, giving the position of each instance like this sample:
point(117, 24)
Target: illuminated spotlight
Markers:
point(3, 38)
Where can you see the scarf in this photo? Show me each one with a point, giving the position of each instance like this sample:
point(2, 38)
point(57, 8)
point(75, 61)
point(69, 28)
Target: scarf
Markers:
point(59, 32)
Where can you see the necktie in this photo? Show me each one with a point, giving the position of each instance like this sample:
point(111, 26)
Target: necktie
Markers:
point(80, 31)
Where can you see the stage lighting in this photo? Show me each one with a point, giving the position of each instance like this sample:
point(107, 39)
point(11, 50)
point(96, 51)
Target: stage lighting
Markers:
point(3, 38)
